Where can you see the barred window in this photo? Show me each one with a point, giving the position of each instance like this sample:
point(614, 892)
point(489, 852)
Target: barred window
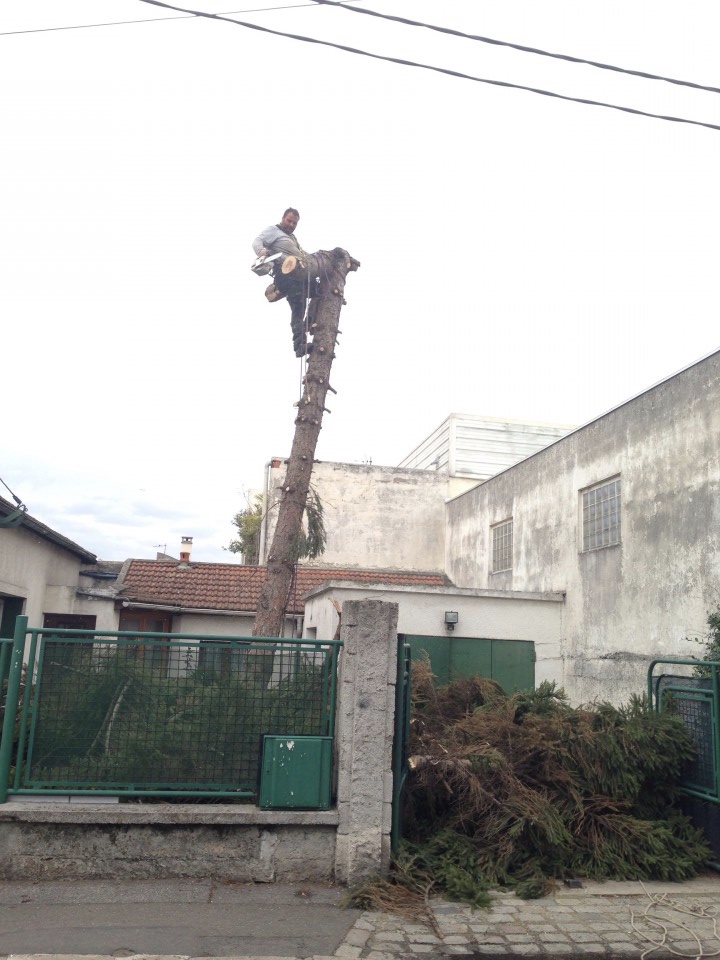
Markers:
point(601, 515)
point(502, 546)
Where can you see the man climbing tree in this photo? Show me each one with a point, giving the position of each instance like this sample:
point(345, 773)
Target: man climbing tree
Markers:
point(332, 267)
point(272, 247)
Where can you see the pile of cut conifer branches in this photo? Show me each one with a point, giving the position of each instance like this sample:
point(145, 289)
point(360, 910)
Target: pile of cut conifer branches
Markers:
point(524, 790)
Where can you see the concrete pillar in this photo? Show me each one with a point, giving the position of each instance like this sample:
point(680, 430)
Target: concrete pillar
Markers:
point(365, 728)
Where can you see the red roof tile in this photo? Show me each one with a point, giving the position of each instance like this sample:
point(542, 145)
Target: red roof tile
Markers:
point(225, 586)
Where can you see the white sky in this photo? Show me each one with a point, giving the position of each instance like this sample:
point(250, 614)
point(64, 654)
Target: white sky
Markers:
point(521, 256)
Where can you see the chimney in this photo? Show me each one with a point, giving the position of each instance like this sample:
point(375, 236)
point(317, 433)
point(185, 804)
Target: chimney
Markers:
point(185, 549)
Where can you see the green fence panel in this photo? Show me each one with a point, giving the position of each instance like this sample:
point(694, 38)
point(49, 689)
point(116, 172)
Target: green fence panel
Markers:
point(694, 697)
point(164, 714)
point(12, 699)
point(696, 700)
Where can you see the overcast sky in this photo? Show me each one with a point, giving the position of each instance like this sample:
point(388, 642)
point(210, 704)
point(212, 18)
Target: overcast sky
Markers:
point(522, 256)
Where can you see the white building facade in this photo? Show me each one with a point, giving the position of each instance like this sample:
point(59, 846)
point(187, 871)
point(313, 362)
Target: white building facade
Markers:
point(623, 517)
point(376, 518)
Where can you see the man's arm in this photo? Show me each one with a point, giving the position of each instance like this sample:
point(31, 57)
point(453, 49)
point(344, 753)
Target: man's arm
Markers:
point(262, 243)
point(274, 240)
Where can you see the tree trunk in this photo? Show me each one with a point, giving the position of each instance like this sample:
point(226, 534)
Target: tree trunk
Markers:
point(332, 268)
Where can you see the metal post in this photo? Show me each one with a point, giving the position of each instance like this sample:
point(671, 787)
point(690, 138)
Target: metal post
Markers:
point(716, 696)
point(11, 705)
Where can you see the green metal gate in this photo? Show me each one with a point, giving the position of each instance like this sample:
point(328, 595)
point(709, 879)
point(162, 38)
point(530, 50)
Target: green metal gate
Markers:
point(510, 662)
point(401, 739)
point(696, 701)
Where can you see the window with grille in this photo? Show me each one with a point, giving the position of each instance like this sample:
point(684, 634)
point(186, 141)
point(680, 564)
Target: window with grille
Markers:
point(601, 515)
point(502, 546)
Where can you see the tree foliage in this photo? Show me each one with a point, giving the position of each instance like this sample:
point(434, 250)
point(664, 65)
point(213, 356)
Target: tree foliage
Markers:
point(248, 523)
point(310, 542)
point(711, 643)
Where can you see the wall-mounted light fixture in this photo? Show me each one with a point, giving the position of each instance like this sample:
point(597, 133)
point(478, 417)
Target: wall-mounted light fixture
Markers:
point(451, 618)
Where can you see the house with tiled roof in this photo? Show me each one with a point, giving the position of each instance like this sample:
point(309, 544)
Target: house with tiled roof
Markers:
point(221, 598)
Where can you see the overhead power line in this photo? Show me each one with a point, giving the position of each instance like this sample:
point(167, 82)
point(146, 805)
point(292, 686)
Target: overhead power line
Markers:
point(17, 500)
point(120, 23)
point(443, 70)
point(517, 46)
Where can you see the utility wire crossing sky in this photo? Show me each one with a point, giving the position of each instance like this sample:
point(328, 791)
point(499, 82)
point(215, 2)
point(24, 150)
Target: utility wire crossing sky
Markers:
point(523, 256)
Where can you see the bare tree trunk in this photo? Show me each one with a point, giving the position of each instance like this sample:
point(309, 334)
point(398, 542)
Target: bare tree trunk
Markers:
point(332, 268)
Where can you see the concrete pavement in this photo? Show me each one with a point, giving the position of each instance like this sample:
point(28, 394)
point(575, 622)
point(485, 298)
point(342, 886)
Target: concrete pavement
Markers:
point(54, 920)
point(175, 917)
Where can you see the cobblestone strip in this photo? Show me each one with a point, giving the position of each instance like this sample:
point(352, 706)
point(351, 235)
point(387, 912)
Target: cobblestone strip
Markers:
point(575, 927)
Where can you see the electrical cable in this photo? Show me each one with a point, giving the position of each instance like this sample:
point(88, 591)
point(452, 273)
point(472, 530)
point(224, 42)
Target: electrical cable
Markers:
point(17, 500)
point(444, 70)
point(16, 517)
point(120, 23)
point(518, 46)
point(187, 13)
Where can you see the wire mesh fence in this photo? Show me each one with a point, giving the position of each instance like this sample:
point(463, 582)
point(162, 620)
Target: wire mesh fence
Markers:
point(164, 714)
point(692, 700)
point(696, 701)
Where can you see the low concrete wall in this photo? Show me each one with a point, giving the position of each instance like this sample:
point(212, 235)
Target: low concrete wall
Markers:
point(51, 841)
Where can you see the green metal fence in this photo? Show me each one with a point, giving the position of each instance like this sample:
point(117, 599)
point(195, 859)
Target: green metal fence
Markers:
point(161, 714)
point(696, 701)
point(6, 645)
point(401, 741)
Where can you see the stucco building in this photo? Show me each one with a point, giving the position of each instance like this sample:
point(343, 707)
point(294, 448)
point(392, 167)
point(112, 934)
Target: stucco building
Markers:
point(40, 576)
point(623, 517)
point(393, 518)
point(599, 551)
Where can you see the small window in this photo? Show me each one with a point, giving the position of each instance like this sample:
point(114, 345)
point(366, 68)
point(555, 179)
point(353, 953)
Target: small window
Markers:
point(601, 515)
point(502, 546)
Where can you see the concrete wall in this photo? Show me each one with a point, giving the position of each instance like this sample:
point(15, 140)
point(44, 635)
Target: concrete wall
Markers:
point(484, 614)
point(638, 599)
point(218, 624)
point(82, 841)
point(376, 518)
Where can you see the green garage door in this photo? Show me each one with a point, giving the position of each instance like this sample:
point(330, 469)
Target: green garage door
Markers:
point(510, 662)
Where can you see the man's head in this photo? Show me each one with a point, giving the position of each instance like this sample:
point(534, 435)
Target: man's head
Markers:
point(289, 220)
